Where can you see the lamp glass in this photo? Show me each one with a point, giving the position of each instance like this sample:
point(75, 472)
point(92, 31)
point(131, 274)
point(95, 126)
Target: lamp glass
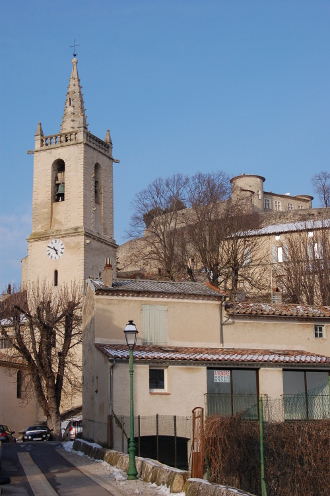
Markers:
point(131, 334)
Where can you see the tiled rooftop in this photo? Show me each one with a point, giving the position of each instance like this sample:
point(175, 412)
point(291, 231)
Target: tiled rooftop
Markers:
point(226, 356)
point(265, 309)
point(6, 358)
point(308, 225)
point(137, 287)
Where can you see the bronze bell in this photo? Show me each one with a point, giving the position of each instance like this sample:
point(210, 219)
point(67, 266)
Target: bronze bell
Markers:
point(60, 192)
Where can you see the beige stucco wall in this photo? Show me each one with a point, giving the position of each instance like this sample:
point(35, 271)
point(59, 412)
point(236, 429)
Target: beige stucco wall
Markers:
point(17, 414)
point(189, 323)
point(281, 334)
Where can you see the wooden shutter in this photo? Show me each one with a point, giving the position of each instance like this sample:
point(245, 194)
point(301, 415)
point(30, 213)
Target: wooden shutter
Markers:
point(274, 254)
point(154, 324)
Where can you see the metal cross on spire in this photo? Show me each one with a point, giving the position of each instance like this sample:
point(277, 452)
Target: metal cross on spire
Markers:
point(74, 47)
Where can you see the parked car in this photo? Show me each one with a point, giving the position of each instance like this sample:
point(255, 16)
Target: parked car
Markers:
point(38, 433)
point(6, 434)
point(73, 428)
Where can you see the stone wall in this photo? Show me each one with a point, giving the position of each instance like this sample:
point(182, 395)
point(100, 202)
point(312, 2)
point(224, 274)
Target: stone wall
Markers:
point(156, 473)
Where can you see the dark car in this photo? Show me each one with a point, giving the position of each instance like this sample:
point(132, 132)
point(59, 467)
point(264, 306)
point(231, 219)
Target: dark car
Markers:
point(6, 434)
point(37, 433)
point(73, 428)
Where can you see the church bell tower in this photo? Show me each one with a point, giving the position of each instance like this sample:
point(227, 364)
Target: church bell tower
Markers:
point(72, 209)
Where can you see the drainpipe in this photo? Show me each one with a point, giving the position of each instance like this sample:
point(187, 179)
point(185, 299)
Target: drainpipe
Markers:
point(222, 322)
point(112, 363)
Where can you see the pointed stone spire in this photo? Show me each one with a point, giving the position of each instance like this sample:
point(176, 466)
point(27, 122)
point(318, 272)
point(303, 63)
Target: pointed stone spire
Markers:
point(39, 131)
point(74, 116)
point(38, 137)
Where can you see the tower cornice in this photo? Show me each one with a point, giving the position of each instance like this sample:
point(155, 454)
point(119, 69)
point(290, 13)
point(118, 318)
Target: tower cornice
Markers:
point(75, 231)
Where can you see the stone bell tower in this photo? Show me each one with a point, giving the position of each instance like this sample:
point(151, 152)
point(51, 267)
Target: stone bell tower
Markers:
point(72, 210)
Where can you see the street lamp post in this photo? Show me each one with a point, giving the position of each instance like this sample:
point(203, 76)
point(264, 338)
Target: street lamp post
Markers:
point(130, 335)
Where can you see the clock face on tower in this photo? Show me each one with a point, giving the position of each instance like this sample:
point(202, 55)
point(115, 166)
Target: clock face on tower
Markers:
point(55, 249)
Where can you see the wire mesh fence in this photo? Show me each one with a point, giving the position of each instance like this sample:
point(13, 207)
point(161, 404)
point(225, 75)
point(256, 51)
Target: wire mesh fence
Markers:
point(296, 446)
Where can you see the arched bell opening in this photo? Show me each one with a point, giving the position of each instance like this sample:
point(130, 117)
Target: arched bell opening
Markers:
point(58, 180)
point(98, 190)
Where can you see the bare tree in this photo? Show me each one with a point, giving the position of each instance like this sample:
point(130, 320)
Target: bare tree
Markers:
point(208, 239)
point(321, 185)
point(205, 229)
point(156, 215)
point(307, 269)
point(241, 249)
point(220, 234)
point(43, 325)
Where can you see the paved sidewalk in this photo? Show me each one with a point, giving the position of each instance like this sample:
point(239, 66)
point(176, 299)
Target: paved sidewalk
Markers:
point(110, 478)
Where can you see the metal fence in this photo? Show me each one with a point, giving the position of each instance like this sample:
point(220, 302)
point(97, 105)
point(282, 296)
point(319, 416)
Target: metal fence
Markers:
point(166, 438)
point(310, 406)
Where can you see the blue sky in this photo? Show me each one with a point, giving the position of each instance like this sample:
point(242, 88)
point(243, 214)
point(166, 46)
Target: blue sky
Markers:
point(184, 86)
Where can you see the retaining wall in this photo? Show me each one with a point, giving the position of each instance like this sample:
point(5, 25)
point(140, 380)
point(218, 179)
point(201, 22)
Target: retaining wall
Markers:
point(155, 472)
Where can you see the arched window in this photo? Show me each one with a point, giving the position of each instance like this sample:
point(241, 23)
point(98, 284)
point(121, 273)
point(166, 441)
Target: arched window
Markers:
point(19, 384)
point(59, 180)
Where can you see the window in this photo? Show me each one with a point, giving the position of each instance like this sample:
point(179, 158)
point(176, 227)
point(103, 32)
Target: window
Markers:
point(19, 384)
point(267, 203)
point(231, 391)
point(4, 343)
point(300, 207)
point(306, 395)
point(290, 206)
point(247, 256)
point(55, 278)
point(279, 254)
point(157, 379)
point(315, 251)
point(277, 205)
point(259, 194)
point(154, 324)
point(319, 331)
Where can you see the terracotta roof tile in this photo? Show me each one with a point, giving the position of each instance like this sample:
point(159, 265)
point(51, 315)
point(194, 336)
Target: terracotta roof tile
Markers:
point(136, 287)
point(213, 355)
point(264, 309)
point(7, 358)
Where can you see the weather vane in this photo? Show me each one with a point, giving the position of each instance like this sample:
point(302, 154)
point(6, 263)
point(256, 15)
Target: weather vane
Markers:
point(74, 47)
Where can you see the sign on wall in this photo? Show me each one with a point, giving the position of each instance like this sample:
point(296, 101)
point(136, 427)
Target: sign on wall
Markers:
point(222, 376)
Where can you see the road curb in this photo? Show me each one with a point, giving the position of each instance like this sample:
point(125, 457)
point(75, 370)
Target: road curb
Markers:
point(153, 471)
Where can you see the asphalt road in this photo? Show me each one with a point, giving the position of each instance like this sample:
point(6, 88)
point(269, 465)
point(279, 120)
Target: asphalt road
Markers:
point(47, 469)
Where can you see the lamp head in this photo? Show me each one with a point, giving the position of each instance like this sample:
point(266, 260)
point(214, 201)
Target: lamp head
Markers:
point(131, 334)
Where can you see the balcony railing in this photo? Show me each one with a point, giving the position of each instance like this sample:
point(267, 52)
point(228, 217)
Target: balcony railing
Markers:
point(227, 404)
point(310, 407)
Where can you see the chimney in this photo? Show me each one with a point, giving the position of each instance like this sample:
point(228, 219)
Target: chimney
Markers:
point(107, 273)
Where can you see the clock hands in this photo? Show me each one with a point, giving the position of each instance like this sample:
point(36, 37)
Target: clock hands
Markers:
point(53, 248)
point(57, 246)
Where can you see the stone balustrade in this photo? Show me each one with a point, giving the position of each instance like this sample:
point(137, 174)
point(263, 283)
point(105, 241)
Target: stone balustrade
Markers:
point(98, 143)
point(71, 137)
point(58, 139)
